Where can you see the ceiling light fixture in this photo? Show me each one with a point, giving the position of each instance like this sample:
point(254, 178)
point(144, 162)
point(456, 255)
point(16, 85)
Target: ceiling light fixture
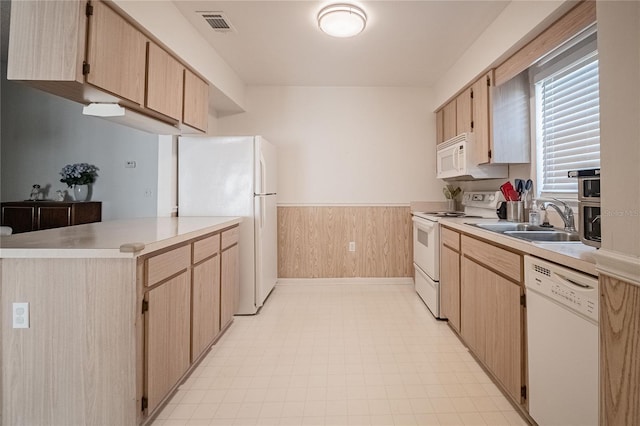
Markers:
point(342, 20)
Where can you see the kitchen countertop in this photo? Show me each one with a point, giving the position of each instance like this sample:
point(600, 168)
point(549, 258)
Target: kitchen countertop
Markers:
point(111, 239)
point(573, 255)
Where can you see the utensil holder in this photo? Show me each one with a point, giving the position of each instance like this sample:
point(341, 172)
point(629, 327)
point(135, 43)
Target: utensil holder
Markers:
point(515, 211)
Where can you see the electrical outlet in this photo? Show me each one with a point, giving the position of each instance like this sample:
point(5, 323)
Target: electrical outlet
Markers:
point(352, 246)
point(148, 193)
point(21, 315)
point(130, 165)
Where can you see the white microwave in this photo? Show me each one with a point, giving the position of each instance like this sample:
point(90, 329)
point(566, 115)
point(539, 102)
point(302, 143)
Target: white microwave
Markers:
point(455, 160)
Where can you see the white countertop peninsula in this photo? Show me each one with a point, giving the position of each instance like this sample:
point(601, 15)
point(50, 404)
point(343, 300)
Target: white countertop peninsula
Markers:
point(125, 238)
point(118, 313)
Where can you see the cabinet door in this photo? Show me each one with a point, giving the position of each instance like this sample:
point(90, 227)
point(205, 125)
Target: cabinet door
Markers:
point(463, 112)
point(206, 305)
point(53, 217)
point(503, 332)
point(20, 219)
point(115, 54)
point(439, 126)
point(472, 296)
point(195, 111)
point(492, 323)
point(450, 285)
point(167, 331)
point(482, 118)
point(164, 82)
point(87, 212)
point(54, 35)
point(449, 120)
point(229, 284)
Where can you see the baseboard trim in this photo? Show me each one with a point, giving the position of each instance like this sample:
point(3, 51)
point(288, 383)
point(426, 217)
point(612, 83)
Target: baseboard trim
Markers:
point(339, 281)
point(619, 266)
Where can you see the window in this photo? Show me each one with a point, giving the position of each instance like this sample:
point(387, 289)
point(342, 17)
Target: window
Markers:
point(567, 117)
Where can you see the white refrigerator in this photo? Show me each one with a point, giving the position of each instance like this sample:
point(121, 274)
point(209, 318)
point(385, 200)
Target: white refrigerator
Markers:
point(235, 176)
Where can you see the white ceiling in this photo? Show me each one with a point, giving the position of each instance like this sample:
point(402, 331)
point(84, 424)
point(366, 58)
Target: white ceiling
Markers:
point(405, 43)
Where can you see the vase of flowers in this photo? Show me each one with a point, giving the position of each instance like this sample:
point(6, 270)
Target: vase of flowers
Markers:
point(450, 193)
point(79, 176)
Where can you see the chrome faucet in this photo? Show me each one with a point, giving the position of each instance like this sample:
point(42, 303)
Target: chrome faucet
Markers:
point(567, 215)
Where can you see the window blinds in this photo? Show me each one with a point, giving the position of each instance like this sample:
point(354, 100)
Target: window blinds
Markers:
point(570, 124)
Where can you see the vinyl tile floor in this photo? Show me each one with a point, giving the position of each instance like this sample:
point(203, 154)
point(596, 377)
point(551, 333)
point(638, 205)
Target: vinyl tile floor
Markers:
point(351, 354)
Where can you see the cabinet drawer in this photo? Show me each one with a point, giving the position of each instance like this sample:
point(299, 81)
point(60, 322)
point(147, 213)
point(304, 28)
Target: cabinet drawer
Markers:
point(167, 264)
point(500, 260)
point(230, 237)
point(206, 247)
point(450, 238)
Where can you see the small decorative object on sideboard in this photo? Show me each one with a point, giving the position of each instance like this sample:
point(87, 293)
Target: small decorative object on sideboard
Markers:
point(80, 176)
point(35, 193)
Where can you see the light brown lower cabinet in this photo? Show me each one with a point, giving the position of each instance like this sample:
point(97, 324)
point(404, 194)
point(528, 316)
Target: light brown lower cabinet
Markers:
point(230, 275)
point(450, 276)
point(190, 298)
point(167, 346)
point(492, 314)
point(206, 305)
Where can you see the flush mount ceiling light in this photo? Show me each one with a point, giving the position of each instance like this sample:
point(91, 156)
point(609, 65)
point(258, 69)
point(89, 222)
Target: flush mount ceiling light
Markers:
point(342, 20)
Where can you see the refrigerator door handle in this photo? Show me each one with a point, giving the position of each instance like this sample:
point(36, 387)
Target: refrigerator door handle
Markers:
point(263, 176)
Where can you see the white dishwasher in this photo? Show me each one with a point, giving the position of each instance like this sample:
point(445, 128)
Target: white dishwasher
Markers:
point(562, 347)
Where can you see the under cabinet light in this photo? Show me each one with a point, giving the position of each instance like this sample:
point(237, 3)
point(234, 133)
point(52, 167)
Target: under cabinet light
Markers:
point(103, 110)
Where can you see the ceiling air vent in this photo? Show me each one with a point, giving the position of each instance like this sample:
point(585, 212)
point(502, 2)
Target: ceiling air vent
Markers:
point(218, 21)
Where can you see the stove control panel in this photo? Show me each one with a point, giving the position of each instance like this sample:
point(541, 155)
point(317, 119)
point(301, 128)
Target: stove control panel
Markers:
point(482, 199)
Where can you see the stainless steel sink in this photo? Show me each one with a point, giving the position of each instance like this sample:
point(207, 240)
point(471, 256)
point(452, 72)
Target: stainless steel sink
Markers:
point(509, 226)
point(529, 232)
point(555, 236)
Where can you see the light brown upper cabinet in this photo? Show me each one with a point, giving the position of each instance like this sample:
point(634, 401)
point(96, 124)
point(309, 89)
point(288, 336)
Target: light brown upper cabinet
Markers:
point(115, 54)
point(449, 120)
point(164, 82)
point(454, 118)
point(87, 52)
point(501, 119)
point(440, 126)
point(498, 117)
point(463, 112)
point(500, 102)
point(481, 118)
point(195, 101)
point(34, 26)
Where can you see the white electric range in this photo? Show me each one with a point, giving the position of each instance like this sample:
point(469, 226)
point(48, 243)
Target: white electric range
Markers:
point(426, 243)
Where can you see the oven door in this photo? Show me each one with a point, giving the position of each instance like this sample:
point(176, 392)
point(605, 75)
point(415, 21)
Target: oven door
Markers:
point(426, 246)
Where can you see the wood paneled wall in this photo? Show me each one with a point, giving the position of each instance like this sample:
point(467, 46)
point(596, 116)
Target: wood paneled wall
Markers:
point(619, 352)
point(313, 242)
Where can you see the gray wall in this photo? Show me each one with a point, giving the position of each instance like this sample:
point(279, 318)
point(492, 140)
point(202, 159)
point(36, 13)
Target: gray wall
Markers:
point(41, 133)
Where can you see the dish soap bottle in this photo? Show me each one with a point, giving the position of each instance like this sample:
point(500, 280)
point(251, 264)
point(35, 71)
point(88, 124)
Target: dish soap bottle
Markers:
point(534, 214)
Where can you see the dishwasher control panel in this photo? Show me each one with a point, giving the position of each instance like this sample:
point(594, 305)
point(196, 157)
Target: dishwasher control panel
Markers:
point(572, 289)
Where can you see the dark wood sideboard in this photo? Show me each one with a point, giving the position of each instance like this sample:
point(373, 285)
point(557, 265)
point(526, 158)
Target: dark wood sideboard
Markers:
point(25, 216)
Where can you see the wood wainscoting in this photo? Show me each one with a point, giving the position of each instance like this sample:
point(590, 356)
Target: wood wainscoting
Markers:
point(313, 241)
point(619, 352)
